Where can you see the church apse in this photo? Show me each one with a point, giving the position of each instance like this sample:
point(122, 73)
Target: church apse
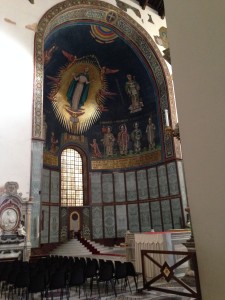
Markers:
point(105, 91)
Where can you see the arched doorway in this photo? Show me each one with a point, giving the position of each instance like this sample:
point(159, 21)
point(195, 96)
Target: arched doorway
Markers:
point(75, 223)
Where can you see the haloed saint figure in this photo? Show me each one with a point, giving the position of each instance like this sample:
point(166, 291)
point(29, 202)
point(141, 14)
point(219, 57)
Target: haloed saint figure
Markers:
point(79, 93)
point(78, 90)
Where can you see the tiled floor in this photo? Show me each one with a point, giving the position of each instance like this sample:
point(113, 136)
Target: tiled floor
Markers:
point(122, 294)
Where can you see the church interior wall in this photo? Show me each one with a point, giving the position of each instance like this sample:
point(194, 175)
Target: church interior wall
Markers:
point(21, 28)
point(18, 25)
point(45, 226)
point(166, 212)
point(18, 31)
point(138, 200)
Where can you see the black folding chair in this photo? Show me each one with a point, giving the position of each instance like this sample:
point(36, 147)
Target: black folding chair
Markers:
point(106, 276)
point(91, 272)
point(38, 283)
point(131, 272)
point(121, 275)
point(77, 278)
point(58, 281)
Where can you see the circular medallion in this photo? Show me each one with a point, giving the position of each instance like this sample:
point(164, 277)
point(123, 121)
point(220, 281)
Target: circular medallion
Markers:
point(9, 219)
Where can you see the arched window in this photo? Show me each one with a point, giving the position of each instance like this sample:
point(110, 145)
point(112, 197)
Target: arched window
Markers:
point(72, 190)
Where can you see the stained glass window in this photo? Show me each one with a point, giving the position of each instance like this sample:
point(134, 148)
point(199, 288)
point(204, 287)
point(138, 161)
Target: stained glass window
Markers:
point(71, 178)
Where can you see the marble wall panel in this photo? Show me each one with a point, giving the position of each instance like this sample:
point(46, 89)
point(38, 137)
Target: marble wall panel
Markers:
point(145, 217)
point(166, 215)
point(44, 224)
point(131, 186)
point(97, 226)
point(173, 178)
point(163, 184)
point(54, 224)
point(64, 225)
point(142, 185)
point(86, 223)
point(96, 187)
point(55, 187)
point(156, 216)
point(121, 220)
point(119, 184)
point(176, 212)
point(109, 222)
point(107, 188)
point(153, 183)
point(45, 185)
point(133, 218)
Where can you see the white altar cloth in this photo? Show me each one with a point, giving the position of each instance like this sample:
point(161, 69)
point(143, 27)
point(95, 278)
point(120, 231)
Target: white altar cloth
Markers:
point(151, 241)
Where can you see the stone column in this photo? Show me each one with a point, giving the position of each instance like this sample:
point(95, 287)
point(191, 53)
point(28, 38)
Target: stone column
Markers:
point(27, 250)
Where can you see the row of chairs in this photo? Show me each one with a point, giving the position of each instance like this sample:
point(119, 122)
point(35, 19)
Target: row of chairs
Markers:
point(59, 273)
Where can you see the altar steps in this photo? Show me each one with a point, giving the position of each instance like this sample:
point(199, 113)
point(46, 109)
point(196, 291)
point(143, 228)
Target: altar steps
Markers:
point(75, 248)
point(71, 248)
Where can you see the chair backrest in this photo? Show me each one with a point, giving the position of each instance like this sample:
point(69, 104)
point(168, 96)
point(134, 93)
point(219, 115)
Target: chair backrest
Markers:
point(130, 269)
point(91, 269)
point(6, 269)
point(96, 262)
point(38, 282)
point(58, 279)
point(13, 272)
point(79, 262)
point(70, 264)
point(105, 272)
point(111, 263)
point(100, 262)
point(77, 276)
point(23, 276)
point(120, 271)
point(83, 261)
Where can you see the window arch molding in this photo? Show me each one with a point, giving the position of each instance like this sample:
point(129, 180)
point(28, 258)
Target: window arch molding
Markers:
point(85, 164)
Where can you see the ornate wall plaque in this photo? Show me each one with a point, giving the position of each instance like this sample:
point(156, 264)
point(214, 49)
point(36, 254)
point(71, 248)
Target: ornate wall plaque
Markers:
point(9, 218)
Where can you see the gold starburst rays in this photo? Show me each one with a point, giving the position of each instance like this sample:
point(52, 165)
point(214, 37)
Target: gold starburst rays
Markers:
point(91, 111)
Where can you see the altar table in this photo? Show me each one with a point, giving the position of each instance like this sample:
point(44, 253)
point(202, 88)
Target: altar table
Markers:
point(171, 241)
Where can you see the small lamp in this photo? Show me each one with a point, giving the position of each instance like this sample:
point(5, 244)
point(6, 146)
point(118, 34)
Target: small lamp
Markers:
point(169, 131)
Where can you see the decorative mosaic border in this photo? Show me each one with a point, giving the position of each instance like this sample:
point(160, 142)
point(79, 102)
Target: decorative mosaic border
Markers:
point(127, 162)
point(77, 10)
